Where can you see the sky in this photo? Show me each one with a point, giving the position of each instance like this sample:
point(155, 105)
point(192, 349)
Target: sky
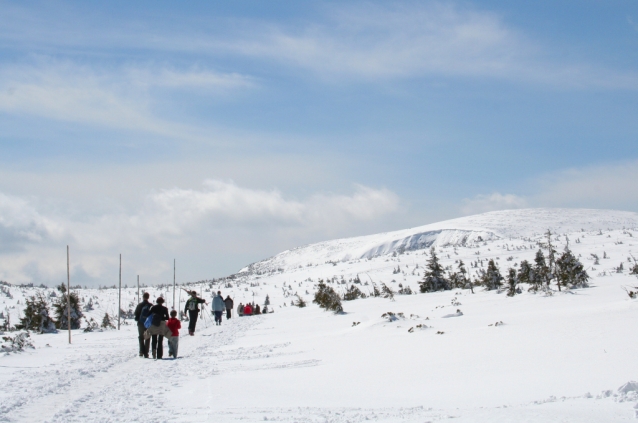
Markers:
point(222, 133)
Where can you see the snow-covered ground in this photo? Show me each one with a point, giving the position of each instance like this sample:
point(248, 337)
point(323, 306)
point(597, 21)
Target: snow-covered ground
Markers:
point(554, 358)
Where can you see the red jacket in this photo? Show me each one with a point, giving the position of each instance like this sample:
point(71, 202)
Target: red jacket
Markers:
point(174, 325)
point(248, 310)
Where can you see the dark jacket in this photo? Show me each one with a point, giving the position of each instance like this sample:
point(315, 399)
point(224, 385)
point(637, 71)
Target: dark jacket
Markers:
point(138, 309)
point(191, 300)
point(229, 303)
point(161, 311)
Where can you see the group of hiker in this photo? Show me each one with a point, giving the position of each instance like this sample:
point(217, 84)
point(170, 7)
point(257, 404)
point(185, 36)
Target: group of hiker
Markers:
point(154, 322)
point(248, 309)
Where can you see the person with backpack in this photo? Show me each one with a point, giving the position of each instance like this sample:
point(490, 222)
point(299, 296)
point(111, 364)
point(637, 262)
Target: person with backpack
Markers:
point(142, 311)
point(248, 310)
point(192, 309)
point(240, 310)
point(218, 307)
point(229, 306)
point(158, 329)
point(174, 325)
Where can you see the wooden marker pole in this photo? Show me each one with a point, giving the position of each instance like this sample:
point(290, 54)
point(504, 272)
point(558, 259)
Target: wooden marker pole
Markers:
point(119, 297)
point(138, 289)
point(68, 292)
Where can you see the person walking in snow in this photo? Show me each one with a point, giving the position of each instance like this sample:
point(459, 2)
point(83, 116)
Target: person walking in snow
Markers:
point(240, 310)
point(192, 309)
point(158, 329)
point(218, 307)
point(142, 311)
point(174, 325)
point(257, 309)
point(229, 306)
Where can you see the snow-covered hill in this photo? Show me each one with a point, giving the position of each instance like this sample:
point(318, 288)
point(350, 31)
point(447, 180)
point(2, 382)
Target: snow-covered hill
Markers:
point(453, 355)
point(465, 232)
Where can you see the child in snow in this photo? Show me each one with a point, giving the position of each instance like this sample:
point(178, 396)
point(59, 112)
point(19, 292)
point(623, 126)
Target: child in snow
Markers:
point(174, 325)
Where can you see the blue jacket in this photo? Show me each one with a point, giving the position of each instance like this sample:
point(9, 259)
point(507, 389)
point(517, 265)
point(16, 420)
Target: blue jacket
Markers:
point(218, 303)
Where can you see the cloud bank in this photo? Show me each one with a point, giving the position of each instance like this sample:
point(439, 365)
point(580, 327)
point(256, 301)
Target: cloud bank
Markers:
point(175, 221)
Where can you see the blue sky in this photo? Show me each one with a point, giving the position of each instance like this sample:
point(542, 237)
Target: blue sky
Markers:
point(222, 133)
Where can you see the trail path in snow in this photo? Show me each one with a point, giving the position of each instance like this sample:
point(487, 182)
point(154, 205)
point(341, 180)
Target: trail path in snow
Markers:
point(111, 384)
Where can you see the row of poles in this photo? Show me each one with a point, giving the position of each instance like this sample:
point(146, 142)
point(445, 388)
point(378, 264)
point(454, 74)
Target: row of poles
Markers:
point(119, 294)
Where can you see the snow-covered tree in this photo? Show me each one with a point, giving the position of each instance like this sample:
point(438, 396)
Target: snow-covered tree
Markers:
point(433, 275)
point(353, 293)
point(36, 315)
point(525, 273)
point(540, 275)
point(490, 278)
point(327, 298)
point(61, 310)
point(570, 271)
point(512, 281)
point(459, 278)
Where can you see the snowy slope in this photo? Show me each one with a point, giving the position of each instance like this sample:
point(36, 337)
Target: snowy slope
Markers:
point(558, 356)
point(456, 232)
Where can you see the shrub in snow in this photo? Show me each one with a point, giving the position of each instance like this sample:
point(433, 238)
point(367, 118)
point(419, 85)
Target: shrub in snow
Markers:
point(375, 291)
point(433, 279)
point(16, 343)
point(300, 302)
point(107, 322)
point(327, 298)
point(91, 325)
point(353, 293)
point(391, 317)
point(634, 270)
point(386, 292)
point(404, 290)
point(61, 310)
point(89, 306)
point(36, 315)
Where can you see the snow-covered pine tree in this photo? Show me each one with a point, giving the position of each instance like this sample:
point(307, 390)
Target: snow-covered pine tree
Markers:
point(267, 301)
point(433, 279)
point(525, 273)
point(36, 315)
point(570, 271)
point(541, 271)
point(60, 308)
point(512, 281)
point(491, 278)
point(459, 279)
point(107, 322)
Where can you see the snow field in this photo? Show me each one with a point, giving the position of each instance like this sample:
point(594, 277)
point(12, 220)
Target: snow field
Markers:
point(559, 357)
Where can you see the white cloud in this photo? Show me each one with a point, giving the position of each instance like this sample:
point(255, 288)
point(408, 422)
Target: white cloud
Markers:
point(611, 185)
point(437, 39)
point(192, 222)
point(491, 202)
point(116, 99)
point(607, 186)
